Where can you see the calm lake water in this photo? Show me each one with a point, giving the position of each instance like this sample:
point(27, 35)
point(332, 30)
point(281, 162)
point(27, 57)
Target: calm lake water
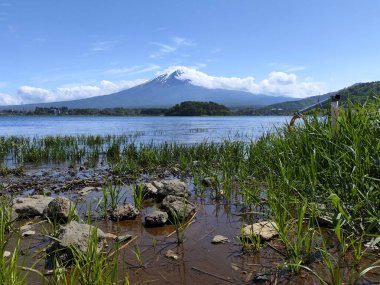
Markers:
point(144, 129)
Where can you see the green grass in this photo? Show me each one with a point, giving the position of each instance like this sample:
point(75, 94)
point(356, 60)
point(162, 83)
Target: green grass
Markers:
point(10, 272)
point(298, 172)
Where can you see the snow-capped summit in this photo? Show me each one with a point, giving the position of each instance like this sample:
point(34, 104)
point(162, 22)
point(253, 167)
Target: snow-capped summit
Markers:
point(173, 77)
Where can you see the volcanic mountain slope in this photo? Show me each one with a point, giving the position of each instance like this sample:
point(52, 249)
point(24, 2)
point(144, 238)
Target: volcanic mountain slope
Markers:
point(163, 91)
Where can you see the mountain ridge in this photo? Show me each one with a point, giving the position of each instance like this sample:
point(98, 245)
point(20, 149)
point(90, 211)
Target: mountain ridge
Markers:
point(165, 90)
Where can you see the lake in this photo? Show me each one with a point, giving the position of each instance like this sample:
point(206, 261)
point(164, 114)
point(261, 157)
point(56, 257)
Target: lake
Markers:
point(145, 129)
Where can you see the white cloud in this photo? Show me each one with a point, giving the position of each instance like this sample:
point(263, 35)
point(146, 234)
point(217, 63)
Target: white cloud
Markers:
point(277, 83)
point(165, 49)
point(134, 69)
point(287, 67)
point(102, 46)
point(6, 99)
point(30, 94)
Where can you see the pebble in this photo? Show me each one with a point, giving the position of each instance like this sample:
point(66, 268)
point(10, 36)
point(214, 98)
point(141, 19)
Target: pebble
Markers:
point(171, 254)
point(28, 233)
point(219, 239)
point(123, 238)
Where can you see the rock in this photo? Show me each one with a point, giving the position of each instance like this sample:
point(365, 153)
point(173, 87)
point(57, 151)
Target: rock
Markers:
point(28, 233)
point(125, 212)
point(149, 190)
point(60, 209)
point(31, 206)
point(7, 253)
point(171, 254)
point(123, 238)
point(75, 235)
point(266, 229)
point(173, 187)
point(156, 219)
point(84, 191)
point(219, 239)
point(234, 267)
point(177, 207)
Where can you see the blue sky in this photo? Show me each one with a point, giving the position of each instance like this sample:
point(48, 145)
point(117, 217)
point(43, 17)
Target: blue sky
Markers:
point(59, 50)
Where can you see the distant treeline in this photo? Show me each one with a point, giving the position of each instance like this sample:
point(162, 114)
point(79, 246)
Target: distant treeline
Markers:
point(188, 108)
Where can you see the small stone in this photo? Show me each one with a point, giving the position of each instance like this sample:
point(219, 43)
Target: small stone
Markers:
point(219, 239)
point(177, 208)
point(60, 209)
point(28, 233)
point(174, 187)
point(110, 236)
point(86, 190)
point(234, 267)
point(156, 219)
point(266, 230)
point(124, 238)
point(171, 254)
point(125, 212)
point(7, 253)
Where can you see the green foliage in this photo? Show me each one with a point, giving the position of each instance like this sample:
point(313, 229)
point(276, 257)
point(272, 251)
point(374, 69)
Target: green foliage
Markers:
point(193, 108)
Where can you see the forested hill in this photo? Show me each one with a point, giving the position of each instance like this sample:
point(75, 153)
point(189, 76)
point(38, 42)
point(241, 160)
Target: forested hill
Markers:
point(192, 108)
point(357, 93)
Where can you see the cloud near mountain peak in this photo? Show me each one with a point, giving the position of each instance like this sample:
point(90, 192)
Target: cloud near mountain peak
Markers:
point(277, 83)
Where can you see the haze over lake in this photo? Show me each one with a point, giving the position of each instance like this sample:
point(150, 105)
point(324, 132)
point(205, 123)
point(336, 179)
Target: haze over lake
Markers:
point(144, 129)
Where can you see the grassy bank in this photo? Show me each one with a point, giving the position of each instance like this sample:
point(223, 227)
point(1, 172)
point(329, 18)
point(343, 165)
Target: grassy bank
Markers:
point(320, 185)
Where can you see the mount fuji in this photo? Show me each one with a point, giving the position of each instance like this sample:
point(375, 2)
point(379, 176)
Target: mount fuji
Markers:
point(163, 91)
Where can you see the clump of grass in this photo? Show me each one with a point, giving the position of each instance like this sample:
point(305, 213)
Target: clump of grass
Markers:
point(10, 272)
point(111, 195)
point(138, 195)
point(93, 267)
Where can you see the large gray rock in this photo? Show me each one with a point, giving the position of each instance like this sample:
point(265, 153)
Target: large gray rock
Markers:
point(156, 219)
point(31, 206)
point(177, 208)
point(125, 212)
point(75, 237)
point(173, 187)
point(60, 209)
